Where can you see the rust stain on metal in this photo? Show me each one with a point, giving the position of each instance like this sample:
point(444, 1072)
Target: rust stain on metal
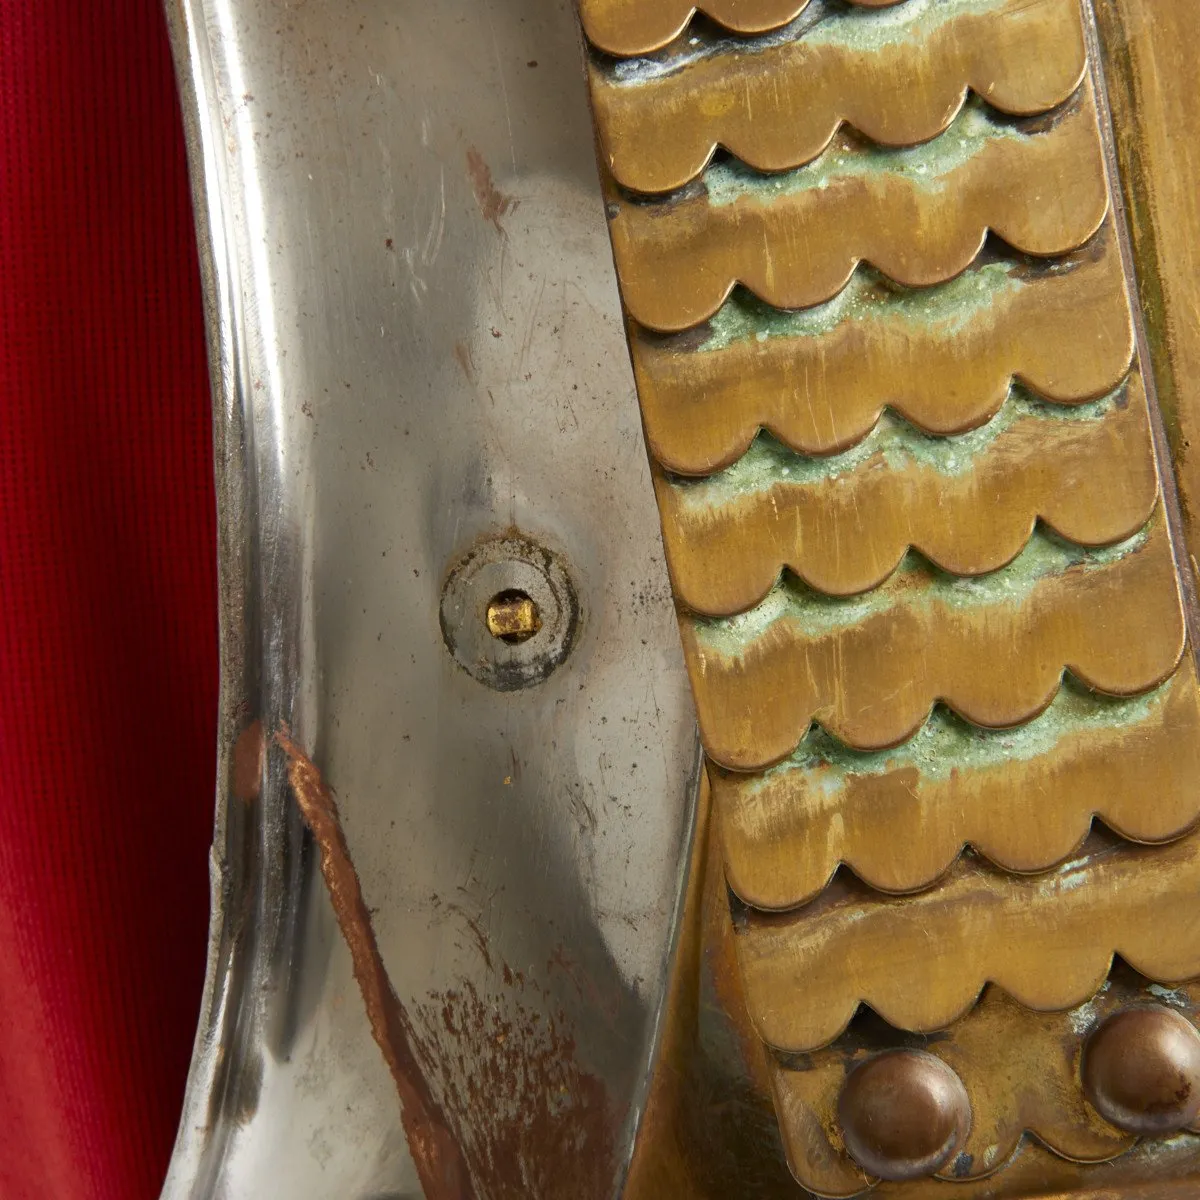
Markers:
point(435, 1150)
point(247, 763)
point(493, 203)
point(462, 353)
point(479, 937)
point(541, 1124)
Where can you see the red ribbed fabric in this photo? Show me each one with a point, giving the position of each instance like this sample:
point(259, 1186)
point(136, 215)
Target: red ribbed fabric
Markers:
point(108, 666)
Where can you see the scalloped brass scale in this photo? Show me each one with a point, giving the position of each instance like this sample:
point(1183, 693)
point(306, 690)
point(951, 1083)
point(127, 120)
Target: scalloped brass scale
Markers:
point(925, 543)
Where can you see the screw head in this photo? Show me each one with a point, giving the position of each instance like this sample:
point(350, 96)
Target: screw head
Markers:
point(513, 617)
point(509, 612)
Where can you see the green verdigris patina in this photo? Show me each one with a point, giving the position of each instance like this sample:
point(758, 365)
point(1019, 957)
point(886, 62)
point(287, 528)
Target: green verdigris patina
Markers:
point(946, 743)
point(916, 583)
point(897, 443)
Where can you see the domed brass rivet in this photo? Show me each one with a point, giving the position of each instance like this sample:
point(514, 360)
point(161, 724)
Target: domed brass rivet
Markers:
point(904, 1114)
point(1141, 1070)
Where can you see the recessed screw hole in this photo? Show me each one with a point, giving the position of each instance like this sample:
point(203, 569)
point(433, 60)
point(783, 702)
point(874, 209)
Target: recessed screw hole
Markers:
point(513, 617)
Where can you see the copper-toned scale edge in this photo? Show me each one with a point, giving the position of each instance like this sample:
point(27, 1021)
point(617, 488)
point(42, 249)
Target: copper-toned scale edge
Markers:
point(944, 358)
point(968, 504)
point(920, 961)
point(1024, 798)
point(920, 216)
point(869, 669)
point(897, 77)
point(625, 28)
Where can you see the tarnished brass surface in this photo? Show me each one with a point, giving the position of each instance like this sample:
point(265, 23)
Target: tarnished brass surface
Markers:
point(1171, 1166)
point(1152, 63)
point(918, 215)
point(629, 27)
point(1112, 618)
point(944, 358)
point(1021, 1070)
point(920, 961)
point(1024, 798)
point(898, 78)
point(968, 504)
point(709, 1132)
point(924, 548)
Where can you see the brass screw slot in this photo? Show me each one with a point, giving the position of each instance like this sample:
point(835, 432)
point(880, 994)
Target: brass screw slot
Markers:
point(513, 617)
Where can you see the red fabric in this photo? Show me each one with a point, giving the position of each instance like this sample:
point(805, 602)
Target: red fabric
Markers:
point(107, 603)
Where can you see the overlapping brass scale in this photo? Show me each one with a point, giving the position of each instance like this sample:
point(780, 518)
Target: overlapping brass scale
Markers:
point(928, 591)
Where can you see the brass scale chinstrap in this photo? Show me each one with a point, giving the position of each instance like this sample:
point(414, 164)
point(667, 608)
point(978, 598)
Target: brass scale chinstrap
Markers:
point(903, 448)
